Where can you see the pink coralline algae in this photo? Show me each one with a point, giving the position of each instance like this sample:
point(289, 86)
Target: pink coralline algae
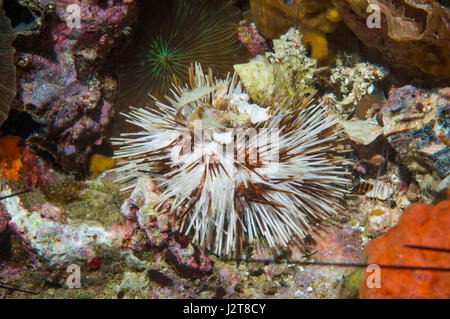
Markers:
point(63, 84)
point(36, 172)
point(230, 279)
point(188, 259)
point(162, 234)
point(249, 35)
point(52, 241)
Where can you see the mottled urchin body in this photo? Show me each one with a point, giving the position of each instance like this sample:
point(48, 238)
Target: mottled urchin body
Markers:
point(233, 172)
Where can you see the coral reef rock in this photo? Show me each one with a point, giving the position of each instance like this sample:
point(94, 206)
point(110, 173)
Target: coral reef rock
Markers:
point(362, 132)
point(11, 154)
point(249, 35)
point(162, 233)
point(36, 171)
point(380, 220)
point(352, 80)
point(286, 73)
point(52, 242)
point(411, 35)
point(63, 85)
point(416, 124)
point(133, 285)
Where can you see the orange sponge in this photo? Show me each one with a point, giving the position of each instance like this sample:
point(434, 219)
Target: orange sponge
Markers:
point(317, 42)
point(420, 225)
point(100, 163)
point(434, 60)
point(10, 158)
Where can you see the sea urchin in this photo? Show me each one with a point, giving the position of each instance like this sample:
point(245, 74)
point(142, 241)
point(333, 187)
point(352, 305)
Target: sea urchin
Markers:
point(233, 172)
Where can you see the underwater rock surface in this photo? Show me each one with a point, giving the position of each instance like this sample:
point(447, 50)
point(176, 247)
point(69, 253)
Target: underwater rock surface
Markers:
point(162, 233)
point(249, 35)
point(64, 85)
point(411, 35)
point(352, 80)
point(416, 124)
point(169, 36)
point(52, 242)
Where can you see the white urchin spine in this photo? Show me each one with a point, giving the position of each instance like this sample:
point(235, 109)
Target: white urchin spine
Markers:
point(273, 187)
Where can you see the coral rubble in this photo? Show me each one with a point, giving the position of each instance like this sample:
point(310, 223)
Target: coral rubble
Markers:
point(352, 80)
point(192, 201)
point(52, 242)
point(36, 171)
point(162, 232)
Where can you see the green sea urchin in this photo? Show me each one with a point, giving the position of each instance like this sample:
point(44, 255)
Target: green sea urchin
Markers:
point(234, 172)
point(7, 68)
point(169, 36)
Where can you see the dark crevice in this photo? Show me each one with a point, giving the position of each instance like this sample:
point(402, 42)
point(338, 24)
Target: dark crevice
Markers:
point(18, 14)
point(20, 124)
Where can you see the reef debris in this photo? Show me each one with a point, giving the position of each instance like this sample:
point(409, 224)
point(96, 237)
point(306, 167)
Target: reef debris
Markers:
point(352, 80)
point(52, 242)
point(99, 163)
point(362, 132)
point(249, 35)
